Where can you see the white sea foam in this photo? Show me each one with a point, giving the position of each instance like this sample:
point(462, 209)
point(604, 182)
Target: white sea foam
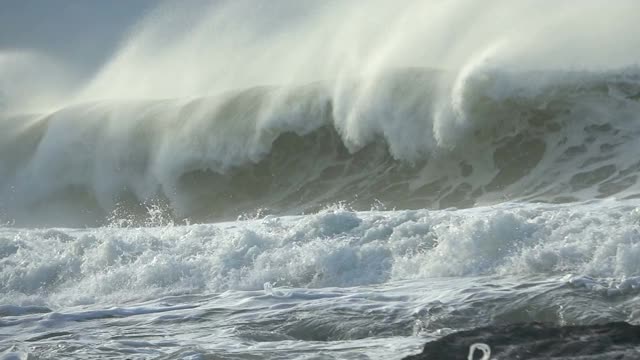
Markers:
point(334, 248)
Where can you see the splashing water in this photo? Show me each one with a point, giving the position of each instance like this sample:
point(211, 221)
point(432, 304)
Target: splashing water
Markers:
point(401, 172)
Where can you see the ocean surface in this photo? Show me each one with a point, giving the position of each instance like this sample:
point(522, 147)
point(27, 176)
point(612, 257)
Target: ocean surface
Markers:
point(186, 203)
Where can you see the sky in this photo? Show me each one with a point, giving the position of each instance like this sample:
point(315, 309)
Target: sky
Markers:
point(79, 32)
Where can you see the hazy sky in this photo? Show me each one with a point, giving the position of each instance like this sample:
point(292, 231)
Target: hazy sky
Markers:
point(81, 32)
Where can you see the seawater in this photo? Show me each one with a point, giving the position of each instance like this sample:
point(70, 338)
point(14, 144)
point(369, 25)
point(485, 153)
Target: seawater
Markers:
point(321, 181)
point(336, 284)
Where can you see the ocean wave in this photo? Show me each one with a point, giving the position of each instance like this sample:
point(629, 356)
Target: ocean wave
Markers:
point(417, 139)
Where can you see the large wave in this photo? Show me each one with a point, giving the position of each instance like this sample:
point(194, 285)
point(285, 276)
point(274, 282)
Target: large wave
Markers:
point(534, 136)
point(210, 114)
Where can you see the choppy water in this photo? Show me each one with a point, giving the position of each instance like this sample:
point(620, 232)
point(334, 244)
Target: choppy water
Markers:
point(336, 284)
point(204, 196)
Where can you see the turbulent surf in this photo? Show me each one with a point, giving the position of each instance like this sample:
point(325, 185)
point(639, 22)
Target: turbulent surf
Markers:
point(242, 180)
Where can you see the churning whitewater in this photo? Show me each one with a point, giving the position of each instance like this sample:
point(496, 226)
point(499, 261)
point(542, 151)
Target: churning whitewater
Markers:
point(338, 180)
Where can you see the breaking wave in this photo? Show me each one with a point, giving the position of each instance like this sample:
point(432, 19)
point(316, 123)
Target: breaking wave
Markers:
point(417, 140)
point(210, 113)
